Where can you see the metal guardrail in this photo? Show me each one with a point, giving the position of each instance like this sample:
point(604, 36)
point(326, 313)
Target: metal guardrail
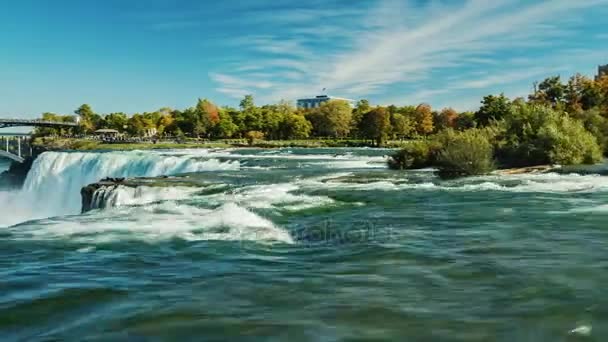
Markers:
point(12, 156)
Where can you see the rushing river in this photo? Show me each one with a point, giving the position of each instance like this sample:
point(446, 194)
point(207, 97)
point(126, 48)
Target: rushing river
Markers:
point(301, 245)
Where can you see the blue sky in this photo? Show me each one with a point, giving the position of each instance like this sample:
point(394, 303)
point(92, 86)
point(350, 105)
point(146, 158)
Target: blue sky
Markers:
point(140, 55)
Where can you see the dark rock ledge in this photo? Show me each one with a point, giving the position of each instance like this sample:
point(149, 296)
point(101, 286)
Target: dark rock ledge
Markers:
point(88, 192)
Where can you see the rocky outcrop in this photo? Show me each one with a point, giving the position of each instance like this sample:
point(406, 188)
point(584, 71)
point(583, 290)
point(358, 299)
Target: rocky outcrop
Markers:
point(88, 192)
point(529, 169)
point(15, 176)
point(99, 195)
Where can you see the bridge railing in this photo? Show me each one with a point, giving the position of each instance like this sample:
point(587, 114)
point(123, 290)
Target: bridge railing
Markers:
point(36, 122)
point(15, 147)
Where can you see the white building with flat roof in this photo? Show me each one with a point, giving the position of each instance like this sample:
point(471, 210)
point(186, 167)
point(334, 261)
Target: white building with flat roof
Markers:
point(315, 102)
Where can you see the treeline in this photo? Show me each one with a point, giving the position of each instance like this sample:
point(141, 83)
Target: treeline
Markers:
point(559, 123)
point(282, 121)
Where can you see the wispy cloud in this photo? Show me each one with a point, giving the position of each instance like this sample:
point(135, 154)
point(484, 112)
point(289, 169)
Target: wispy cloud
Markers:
point(404, 43)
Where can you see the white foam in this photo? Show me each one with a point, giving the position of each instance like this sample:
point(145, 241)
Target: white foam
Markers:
point(346, 160)
point(163, 221)
point(583, 330)
point(272, 196)
point(53, 185)
point(125, 196)
point(540, 183)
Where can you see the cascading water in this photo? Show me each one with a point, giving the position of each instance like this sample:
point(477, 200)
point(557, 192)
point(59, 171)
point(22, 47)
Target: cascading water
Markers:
point(52, 186)
point(279, 230)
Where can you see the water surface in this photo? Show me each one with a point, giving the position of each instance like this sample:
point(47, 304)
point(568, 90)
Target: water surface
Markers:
point(301, 245)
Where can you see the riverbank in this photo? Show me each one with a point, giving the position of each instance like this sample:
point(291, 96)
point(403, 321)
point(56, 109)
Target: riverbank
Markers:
point(62, 144)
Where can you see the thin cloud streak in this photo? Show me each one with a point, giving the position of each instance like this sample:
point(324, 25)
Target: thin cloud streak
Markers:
point(405, 44)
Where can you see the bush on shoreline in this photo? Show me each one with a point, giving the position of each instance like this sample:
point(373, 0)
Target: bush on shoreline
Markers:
point(528, 135)
point(415, 155)
point(466, 153)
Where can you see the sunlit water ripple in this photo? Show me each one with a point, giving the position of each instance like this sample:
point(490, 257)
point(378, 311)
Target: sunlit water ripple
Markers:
point(300, 245)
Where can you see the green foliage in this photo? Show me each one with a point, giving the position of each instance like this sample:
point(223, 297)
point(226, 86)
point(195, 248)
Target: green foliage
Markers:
point(536, 135)
point(225, 128)
point(252, 136)
point(559, 123)
point(597, 125)
point(247, 103)
point(466, 153)
point(549, 91)
point(415, 155)
point(465, 121)
point(295, 126)
point(117, 121)
point(568, 143)
point(45, 131)
point(493, 108)
point(376, 125)
point(363, 106)
point(331, 119)
point(402, 126)
point(89, 121)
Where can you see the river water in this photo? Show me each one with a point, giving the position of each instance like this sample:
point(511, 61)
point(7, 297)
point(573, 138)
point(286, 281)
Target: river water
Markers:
point(301, 245)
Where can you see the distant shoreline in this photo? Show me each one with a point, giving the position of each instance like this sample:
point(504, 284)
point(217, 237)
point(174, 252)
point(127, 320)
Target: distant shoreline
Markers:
point(54, 144)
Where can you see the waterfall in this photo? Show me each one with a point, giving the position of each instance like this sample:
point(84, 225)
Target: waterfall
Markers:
point(119, 195)
point(52, 187)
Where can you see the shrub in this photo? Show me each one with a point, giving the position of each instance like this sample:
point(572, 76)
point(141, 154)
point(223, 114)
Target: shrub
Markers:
point(568, 143)
point(537, 135)
point(466, 153)
point(252, 136)
point(415, 155)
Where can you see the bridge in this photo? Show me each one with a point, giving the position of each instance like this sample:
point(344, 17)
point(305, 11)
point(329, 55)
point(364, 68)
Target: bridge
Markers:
point(15, 147)
point(35, 123)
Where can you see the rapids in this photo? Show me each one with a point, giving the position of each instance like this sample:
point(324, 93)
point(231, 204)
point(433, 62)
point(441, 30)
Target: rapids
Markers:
point(300, 244)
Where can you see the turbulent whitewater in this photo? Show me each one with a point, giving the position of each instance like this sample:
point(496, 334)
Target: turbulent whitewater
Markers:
point(299, 244)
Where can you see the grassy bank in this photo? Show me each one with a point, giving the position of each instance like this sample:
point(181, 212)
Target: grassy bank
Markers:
point(89, 145)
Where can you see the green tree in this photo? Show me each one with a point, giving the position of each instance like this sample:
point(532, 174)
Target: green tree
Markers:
point(251, 118)
point(205, 116)
point(46, 131)
point(360, 109)
point(295, 126)
point(89, 121)
point(247, 103)
point(535, 135)
point(273, 116)
point(332, 119)
point(597, 125)
point(225, 128)
point(166, 124)
point(252, 136)
point(402, 126)
point(116, 121)
point(568, 143)
point(492, 108)
point(550, 91)
point(376, 125)
point(465, 121)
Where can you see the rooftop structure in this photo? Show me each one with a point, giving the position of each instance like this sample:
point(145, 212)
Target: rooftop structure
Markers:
point(315, 102)
point(107, 132)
